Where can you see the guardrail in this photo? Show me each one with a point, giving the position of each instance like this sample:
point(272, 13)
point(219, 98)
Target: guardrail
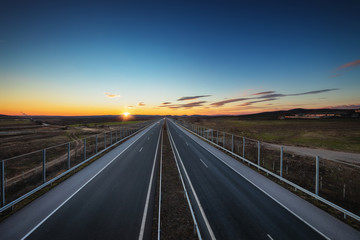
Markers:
point(23, 175)
point(208, 135)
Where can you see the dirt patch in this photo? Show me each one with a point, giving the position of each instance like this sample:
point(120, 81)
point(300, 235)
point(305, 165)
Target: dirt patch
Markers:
point(176, 220)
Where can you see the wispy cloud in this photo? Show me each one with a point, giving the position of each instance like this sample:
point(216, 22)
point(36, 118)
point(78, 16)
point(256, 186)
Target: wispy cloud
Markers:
point(258, 101)
point(273, 96)
point(141, 104)
point(192, 97)
point(222, 103)
point(314, 92)
point(349, 64)
point(166, 103)
point(185, 105)
point(111, 95)
point(263, 93)
point(349, 106)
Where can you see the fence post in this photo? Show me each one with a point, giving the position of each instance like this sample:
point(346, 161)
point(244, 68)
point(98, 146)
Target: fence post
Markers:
point(2, 183)
point(84, 149)
point(212, 135)
point(116, 136)
point(104, 140)
point(317, 176)
point(217, 137)
point(258, 153)
point(232, 143)
point(243, 147)
point(96, 144)
point(110, 138)
point(44, 166)
point(224, 139)
point(281, 160)
point(68, 163)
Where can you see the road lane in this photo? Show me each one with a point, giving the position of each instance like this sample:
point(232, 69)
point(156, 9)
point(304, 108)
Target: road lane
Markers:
point(111, 205)
point(234, 208)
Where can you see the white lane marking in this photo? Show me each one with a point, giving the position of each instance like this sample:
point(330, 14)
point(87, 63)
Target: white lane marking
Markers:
point(148, 138)
point(38, 225)
point(212, 236)
point(270, 237)
point(187, 144)
point(141, 149)
point(278, 202)
point(142, 229)
point(159, 213)
point(203, 163)
point(184, 187)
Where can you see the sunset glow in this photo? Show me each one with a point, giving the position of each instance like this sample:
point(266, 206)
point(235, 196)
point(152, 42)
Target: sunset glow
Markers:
point(177, 59)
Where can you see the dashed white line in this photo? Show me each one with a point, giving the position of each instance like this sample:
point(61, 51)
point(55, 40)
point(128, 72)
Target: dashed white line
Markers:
point(187, 144)
point(204, 163)
point(148, 138)
point(270, 237)
point(141, 149)
point(64, 202)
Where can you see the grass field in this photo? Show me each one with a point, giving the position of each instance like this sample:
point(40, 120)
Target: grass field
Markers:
point(332, 134)
point(104, 124)
point(6, 122)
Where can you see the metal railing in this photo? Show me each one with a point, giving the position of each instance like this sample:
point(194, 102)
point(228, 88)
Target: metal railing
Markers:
point(23, 175)
point(307, 174)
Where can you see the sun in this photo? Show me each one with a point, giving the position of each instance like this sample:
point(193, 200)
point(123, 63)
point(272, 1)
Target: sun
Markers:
point(126, 114)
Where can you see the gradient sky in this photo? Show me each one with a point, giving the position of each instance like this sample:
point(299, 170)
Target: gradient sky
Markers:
point(177, 57)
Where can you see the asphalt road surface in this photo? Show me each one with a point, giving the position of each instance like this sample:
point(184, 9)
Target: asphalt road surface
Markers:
point(232, 207)
point(115, 203)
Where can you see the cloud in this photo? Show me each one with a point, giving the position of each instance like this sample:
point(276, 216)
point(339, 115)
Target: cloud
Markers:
point(221, 103)
point(349, 106)
point(110, 95)
point(192, 97)
point(336, 75)
point(185, 105)
point(349, 64)
point(252, 102)
point(273, 95)
point(263, 93)
point(313, 92)
point(130, 106)
point(193, 104)
point(166, 103)
point(141, 104)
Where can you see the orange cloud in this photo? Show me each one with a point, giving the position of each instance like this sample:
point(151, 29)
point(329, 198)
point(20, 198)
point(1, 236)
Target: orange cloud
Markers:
point(349, 64)
point(141, 104)
point(110, 95)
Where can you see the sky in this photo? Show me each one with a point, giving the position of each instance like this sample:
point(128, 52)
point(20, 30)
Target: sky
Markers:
point(177, 57)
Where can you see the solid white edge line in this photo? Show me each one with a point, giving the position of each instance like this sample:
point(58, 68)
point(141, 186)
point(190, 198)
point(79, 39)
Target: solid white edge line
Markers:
point(159, 214)
point(304, 221)
point(184, 187)
point(203, 162)
point(141, 149)
point(48, 216)
point(268, 235)
point(142, 229)
point(195, 195)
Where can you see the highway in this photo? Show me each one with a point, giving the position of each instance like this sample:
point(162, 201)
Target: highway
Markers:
point(113, 198)
point(227, 205)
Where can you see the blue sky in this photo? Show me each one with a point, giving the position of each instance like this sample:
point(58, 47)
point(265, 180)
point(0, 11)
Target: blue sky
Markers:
point(61, 57)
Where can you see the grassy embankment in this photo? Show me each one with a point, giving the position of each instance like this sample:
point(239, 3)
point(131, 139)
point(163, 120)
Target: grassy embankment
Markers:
point(332, 134)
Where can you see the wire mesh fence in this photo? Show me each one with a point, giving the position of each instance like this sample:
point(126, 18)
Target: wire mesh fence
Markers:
point(22, 174)
point(338, 182)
